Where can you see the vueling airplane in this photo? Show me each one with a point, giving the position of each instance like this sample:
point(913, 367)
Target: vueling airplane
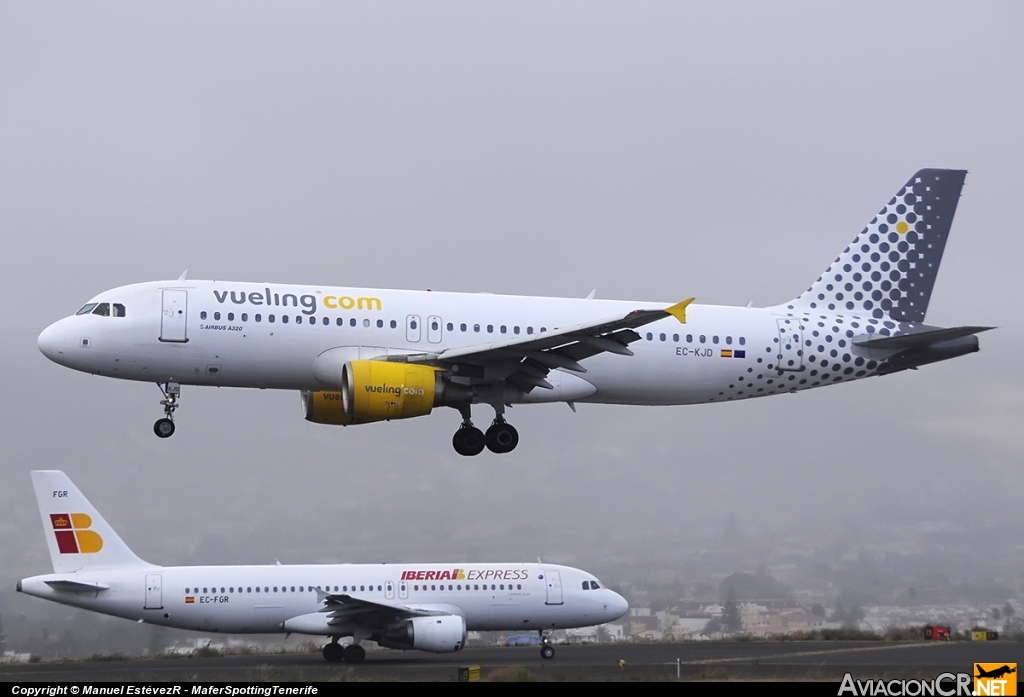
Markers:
point(429, 607)
point(359, 355)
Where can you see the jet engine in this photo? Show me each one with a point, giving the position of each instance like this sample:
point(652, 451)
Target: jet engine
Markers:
point(374, 390)
point(380, 390)
point(437, 634)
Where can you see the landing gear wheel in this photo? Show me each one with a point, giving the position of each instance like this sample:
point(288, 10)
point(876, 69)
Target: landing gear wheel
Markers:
point(163, 428)
point(469, 441)
point(502, 437)
point(354, 653)
point(547, 651)
point(334, 652)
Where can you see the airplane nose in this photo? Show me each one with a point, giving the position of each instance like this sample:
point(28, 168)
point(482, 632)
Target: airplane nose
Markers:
point(52, 342)
point(618, 606)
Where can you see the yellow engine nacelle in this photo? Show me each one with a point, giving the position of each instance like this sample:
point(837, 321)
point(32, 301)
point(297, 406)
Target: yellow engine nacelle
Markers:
point(380, 390)
point(325, 408)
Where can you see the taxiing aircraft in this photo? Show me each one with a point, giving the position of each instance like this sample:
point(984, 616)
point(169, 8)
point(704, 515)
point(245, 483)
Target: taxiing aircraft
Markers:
point(429, 607)
point(360, 355)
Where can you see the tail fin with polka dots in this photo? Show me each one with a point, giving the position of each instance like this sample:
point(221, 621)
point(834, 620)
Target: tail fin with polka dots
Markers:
point(889, 269)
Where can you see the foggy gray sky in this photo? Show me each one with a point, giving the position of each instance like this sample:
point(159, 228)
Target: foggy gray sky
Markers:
point(653, 151)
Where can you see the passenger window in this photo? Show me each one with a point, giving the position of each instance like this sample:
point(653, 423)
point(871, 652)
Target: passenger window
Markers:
point(380, 324)
point(245, 316)
point(412, 324)
point(476, 328)
point(434, 325)
point(86, 309)
point(258, 318)
point(216, 315)
point(352, 322)
point(118, 310)
point(675, 338)
point(231, 316)
point(327, 321)
point(103, 309)
point(662, 337)
point(462, 326)
point(702, 339)
point(394, 325)
point(743, 341)
point(502, 329)
point(714, 339)
point(284, 319)
point(270, 318)
point(339, 321)
point(689, 338)
point(728, 340)
point(529, 330)
point(202, 315)
point(490, 328)
point(543, 329)
point(515, 330)
point(366, 323)
point(298, 319)
point(650, 337)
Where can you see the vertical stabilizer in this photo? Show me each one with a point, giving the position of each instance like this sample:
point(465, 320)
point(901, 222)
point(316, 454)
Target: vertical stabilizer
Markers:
point(77, 535)
point(889, 269)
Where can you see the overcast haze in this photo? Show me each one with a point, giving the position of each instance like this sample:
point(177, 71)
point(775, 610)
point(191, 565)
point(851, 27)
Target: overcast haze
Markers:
point(653, 151)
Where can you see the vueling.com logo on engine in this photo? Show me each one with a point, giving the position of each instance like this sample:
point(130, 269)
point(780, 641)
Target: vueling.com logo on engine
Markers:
point(73, 534)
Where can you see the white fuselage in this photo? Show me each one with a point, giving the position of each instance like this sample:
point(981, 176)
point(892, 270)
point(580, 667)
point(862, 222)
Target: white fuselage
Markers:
point(261, 599)
point(269, 336)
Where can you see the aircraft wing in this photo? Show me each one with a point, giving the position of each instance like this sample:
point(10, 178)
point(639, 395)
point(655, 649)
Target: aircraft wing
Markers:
point(344, 609)
point(526, 361)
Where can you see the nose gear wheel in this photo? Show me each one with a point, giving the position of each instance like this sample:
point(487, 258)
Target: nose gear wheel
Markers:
point(164, 428)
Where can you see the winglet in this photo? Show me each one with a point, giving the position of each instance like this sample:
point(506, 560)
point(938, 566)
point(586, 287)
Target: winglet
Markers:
point(183, 275)
point(679, 310)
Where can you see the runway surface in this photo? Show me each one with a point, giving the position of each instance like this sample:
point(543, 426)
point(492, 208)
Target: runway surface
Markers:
point(826, 661)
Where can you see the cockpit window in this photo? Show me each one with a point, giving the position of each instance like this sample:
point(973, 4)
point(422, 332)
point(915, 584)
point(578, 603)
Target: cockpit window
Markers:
point(102, 309)
point(86, 309)
point(586, 585)
point(118, 310)
point(594, 586)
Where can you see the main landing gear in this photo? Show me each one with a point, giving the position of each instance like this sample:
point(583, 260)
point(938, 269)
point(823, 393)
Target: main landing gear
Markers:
point(164, 428)
point(501, 437)
point(336, 653)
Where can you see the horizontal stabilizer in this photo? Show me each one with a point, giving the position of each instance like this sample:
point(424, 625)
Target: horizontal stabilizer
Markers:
point(76, 586)
point(917, 339)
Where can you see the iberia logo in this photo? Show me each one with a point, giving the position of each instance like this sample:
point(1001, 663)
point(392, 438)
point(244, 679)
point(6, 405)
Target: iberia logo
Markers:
point(995, 679)
point(446, 575)
point(73, 534)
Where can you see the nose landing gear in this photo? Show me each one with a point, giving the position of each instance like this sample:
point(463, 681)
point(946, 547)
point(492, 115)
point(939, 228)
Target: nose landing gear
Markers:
point(164, 428)
point(547, 651)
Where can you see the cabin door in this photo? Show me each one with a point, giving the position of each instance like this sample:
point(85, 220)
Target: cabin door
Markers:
point(554, 581)
point(174, 316)
point(154, 592)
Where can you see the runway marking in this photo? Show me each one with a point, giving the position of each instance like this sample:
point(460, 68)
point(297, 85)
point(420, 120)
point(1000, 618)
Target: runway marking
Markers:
point(821, 652)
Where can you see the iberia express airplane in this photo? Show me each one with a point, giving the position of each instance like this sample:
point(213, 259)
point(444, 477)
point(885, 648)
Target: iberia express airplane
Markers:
point(359, 355)
point(429, 607)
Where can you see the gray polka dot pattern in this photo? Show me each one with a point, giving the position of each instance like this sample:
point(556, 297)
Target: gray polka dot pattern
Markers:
point(888, 271)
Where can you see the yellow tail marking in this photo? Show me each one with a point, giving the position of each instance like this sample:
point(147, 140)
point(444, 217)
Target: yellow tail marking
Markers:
point(679, 310)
